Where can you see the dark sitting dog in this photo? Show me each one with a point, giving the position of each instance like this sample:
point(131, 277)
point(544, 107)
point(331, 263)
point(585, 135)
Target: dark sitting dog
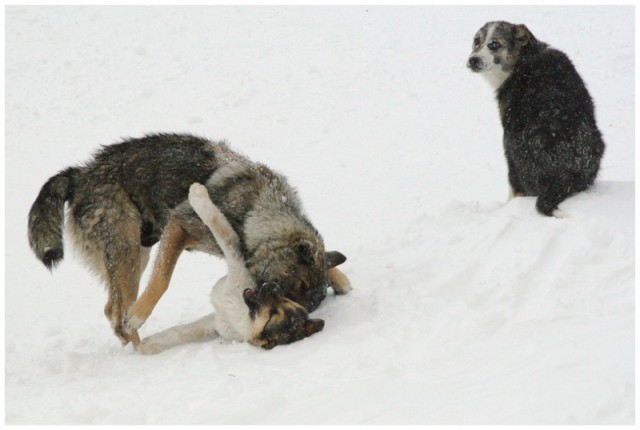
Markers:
point(134, 194)
point(551, 141)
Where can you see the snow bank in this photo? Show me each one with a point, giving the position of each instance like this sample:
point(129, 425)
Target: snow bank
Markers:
point(481, 314)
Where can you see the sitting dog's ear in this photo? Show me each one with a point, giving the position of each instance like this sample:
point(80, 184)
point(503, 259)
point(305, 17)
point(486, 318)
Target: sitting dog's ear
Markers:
point(334, 258)
point(304, 249)
point(523, 36)
point(312, 326)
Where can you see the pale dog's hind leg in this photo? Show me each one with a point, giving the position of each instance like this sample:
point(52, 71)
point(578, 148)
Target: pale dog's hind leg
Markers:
point(200, 330)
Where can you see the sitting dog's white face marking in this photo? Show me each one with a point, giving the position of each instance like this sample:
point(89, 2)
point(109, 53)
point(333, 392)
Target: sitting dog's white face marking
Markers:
point(487, 56)
point(496, 49)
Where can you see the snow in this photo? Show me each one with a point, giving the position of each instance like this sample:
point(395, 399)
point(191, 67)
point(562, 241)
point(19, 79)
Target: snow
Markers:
point(465, 309)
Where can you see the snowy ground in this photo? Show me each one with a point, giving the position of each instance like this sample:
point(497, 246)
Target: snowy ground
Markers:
point(465, 309)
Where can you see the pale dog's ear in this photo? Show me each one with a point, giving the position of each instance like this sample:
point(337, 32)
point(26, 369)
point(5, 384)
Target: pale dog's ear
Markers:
point(312, 326)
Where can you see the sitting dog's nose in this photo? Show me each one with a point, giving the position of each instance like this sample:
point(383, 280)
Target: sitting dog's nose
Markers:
point(475, 63)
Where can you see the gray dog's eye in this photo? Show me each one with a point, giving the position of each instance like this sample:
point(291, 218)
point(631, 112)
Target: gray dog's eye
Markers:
point(494, 46)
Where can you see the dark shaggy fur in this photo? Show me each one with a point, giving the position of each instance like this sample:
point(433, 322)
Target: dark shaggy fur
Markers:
point(551, 141)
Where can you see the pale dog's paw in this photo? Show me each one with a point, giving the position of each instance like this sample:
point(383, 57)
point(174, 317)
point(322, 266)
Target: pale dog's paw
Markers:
point(148, 348)
point(197, 190)
point(197, 193)
point(199, 200)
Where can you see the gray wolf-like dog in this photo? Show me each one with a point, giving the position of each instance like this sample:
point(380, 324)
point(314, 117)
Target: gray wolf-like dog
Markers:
point(551, 141)
point(271, 319)
point(133, 194)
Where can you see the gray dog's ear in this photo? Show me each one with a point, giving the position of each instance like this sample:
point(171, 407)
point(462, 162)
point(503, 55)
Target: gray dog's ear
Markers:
point(523, 36)
point(305, 251)
point(312, 326)
point(334, 258)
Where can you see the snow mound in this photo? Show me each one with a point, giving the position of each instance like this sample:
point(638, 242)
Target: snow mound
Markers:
point(484, 313)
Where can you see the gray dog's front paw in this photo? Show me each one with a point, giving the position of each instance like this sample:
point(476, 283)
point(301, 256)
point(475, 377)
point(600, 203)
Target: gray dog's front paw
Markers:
point(339, 281)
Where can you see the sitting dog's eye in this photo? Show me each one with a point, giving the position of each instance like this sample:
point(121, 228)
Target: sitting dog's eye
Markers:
point(494, 46)
point(273, 312)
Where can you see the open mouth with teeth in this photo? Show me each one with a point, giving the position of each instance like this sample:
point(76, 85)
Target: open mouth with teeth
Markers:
point(268, 294)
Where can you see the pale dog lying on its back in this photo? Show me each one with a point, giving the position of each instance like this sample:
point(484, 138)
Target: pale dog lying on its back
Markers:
point(261, 316)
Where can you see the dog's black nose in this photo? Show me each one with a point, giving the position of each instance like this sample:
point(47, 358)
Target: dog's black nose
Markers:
point(475, 63)
point(270, 287)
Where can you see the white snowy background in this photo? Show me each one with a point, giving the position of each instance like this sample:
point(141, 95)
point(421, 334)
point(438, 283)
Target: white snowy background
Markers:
point(465, 308)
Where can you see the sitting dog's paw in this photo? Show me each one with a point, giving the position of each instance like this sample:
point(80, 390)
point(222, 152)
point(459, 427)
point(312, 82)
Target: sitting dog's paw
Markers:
point(558, 213)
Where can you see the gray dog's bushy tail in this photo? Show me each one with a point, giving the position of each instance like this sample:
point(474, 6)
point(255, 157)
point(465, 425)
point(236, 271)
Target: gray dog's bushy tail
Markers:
point(46, 217)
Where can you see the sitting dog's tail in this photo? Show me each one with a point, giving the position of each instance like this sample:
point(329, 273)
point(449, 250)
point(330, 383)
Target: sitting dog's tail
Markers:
point(224, 234)
point(46, 217)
